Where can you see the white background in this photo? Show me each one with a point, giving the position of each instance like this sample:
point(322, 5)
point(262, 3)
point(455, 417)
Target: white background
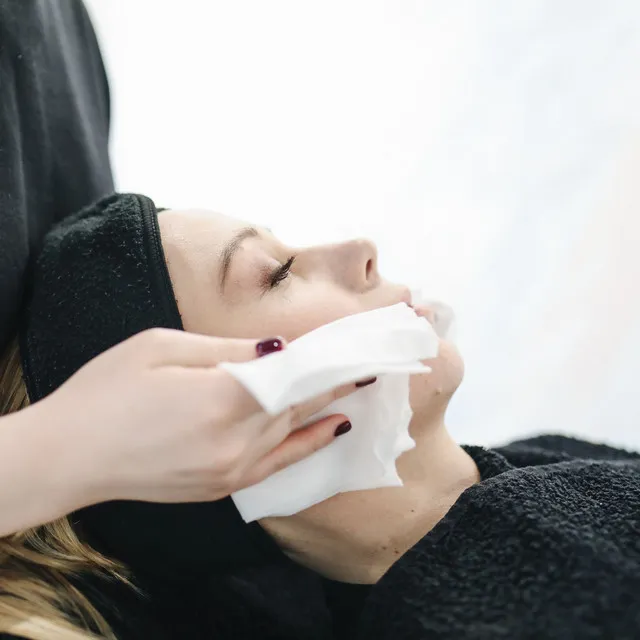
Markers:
point(491, 149)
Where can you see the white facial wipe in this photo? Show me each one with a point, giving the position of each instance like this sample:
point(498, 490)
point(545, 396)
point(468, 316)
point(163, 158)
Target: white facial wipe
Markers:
point(388, 343)
point(444, 320)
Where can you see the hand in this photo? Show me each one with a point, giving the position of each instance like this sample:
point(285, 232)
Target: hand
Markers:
point(153, 419)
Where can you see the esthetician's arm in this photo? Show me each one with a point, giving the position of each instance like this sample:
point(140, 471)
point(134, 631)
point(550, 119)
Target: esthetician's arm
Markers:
point(152, 419)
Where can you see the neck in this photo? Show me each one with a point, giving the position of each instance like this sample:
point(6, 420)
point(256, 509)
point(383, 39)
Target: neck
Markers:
point(357, 536)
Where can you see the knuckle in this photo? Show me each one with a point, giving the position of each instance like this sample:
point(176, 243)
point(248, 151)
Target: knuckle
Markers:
point(230, 463)
point(294, 417)
point(233, 478)
point(283, 463)
point(155, 338)
point(230, 399)
point(206, 490)
point(207, 495)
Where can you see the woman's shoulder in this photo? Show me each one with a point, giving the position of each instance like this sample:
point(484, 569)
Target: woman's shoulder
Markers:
point(566, 447)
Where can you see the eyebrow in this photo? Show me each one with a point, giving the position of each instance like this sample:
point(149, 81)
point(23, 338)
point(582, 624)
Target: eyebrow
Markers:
point(230, 250)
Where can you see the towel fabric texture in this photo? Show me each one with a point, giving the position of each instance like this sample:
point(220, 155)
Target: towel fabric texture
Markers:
point(547, 545)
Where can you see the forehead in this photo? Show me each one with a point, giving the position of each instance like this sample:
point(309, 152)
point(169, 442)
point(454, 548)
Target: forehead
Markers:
point(196, 230)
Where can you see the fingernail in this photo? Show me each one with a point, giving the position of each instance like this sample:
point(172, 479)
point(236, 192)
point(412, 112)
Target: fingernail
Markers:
point(343, 428)
point(271, 345)
point(366, 383)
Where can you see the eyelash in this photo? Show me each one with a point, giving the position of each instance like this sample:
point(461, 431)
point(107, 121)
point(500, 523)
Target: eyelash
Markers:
point(281, 273)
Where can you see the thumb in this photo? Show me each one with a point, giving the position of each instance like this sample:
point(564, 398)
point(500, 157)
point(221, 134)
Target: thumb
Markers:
point(179, 348)
point(297, 446)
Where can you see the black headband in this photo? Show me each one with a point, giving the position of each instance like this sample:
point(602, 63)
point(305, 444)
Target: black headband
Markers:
point(101, 278)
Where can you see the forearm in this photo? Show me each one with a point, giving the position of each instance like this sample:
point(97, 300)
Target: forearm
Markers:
point(37, 478)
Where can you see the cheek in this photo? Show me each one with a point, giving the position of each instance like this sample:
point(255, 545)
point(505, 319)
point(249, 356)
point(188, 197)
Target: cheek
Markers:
point(293, 313)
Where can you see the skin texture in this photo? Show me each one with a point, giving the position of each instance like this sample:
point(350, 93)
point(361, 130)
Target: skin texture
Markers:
point(356, 536)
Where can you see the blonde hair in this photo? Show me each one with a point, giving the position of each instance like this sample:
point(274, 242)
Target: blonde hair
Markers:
point(38, 599)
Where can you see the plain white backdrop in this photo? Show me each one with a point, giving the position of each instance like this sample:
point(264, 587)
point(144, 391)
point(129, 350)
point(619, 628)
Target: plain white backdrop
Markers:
point(491, 149)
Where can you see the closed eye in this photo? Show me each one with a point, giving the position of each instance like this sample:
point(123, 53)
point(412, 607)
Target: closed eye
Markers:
point(281, 273)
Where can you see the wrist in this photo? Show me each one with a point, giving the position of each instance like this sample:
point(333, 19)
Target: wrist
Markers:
point(55, 454)
point(29, 494)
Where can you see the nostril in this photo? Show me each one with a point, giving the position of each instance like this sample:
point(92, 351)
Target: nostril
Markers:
point(368, 269)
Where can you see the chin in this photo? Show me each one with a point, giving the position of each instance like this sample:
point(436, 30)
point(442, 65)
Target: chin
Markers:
point(431, 392)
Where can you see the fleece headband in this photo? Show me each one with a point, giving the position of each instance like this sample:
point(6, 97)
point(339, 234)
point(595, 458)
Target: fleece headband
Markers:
point(102, 277)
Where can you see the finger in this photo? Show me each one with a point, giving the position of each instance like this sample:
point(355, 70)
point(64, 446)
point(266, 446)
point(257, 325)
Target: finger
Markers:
point(297, 446)
point(166, 347)
point(302, 412)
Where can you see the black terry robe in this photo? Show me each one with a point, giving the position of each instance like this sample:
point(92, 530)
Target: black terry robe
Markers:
point(547, 545)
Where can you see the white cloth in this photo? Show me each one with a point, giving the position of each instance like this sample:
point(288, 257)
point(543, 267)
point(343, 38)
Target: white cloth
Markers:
point(444, 319)
point(388, 343)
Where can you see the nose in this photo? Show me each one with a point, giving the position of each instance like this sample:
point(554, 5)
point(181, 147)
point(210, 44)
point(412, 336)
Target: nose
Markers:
point(360, 264)
point(352, 265)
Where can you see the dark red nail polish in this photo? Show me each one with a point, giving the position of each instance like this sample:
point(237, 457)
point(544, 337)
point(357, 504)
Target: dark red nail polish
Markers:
point(366, 383)
point(343, 428)
point(271, 345)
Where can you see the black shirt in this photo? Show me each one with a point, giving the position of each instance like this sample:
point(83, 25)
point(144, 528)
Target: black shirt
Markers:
point(54, 128)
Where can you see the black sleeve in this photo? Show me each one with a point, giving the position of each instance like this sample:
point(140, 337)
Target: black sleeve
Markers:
point(54, 128)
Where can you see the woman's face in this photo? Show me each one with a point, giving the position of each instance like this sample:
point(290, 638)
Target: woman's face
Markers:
point(235, 280)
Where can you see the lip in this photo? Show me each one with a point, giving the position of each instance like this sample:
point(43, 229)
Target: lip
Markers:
point(423, 311)
point(420, 310)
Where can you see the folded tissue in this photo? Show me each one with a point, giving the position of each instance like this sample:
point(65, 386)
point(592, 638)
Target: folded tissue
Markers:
point(389, 343)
